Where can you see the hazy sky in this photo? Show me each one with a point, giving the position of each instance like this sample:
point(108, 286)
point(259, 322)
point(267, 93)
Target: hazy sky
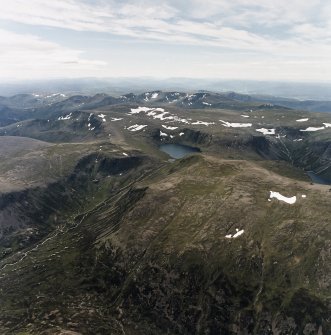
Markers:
point(226, 39)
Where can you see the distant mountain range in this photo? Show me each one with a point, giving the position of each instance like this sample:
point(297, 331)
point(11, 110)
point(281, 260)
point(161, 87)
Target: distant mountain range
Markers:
point(197, 99)
point(118, 86)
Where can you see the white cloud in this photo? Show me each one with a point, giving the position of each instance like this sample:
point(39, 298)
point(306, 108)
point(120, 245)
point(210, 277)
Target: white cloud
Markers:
point(164, 22)
point(28, 56)
point(283, 38)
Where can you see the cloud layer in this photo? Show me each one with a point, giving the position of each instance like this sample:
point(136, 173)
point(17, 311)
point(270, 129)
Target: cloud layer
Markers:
point(287, 38)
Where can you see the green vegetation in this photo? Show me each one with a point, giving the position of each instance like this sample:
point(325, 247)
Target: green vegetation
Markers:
point(103, 234)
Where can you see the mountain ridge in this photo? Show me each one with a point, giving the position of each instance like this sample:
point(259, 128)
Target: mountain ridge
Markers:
point(102, 232)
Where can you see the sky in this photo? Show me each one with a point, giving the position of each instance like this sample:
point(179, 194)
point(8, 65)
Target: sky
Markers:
point(286, 40)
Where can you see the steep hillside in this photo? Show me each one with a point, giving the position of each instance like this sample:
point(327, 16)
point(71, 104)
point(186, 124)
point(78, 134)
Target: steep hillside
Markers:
point(197, 246)
point(102, 232)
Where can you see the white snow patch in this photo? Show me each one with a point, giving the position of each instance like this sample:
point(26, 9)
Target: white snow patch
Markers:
point(67, 117)
point(244, 115)
point(181, 134)
point(265, 131)
point(237, 234)
point(162, 115)
point(177, 119)
point(157, 113)
point(302, 120)
point(313, 129)
point(169, 127)
point(206, 103)
point(125, 154)
point(288, 200)
point(235, 125)
point(89, 127)
point(327, 125)
point(203, 123)
point(303, 196)
point(298, 140)
point(103, 117)
point(140, 109)
point(113, 119)
point(150, 95)
point(54, 95)
point(163, 134)
point(137, 127)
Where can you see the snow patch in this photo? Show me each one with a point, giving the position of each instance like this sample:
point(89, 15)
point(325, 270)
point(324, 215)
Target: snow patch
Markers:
point(237, 234)
point(140, 109)
point(177, 119)
point(235, 125)
point(203, 123)
point(288, 200)
point(89, 126)
point(313, 129)
point(162, 116)
point(137, 127)
point(67, 117)
point(54, 95)
point(103, 117)
point(169, 127)
point(157, 114)
point(302, 120)
point(163, 134)
point(265, 131)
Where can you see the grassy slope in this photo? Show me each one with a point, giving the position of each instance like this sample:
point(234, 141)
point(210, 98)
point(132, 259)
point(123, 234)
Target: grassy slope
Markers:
point(152, 257)
point(157, 258)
